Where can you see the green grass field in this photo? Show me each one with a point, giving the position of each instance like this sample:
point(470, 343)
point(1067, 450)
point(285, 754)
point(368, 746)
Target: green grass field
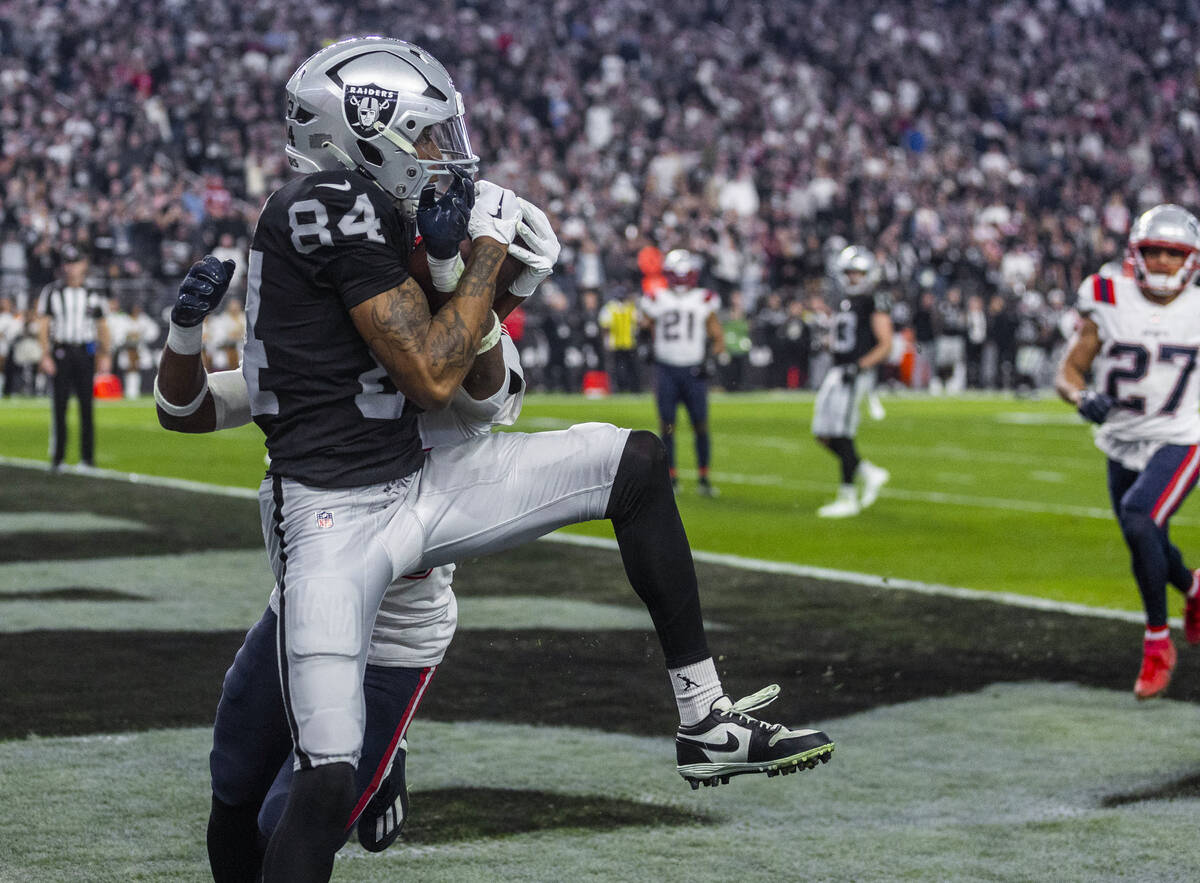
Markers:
point(989, 493)
point(977, 740)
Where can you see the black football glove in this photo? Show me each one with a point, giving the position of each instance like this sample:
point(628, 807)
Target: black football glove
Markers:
point(201, 291)
point(1094, 406)
point(849, 373)
point(442, 221)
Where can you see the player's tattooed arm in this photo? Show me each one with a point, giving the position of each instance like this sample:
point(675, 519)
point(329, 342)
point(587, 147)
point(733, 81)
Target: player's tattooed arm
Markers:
point(427, 356)
point(487, 374)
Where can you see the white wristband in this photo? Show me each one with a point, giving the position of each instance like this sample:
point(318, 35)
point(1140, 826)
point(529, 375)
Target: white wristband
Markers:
point(180, 410)
point(490, 338)
point(446, 272)
point(185, 341)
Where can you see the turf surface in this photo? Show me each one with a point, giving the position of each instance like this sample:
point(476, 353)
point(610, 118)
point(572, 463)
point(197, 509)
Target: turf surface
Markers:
point(977, 740)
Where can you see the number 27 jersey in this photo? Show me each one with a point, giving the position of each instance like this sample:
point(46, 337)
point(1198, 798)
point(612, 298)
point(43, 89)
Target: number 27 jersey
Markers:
point(1147, 360)
point(325, 243)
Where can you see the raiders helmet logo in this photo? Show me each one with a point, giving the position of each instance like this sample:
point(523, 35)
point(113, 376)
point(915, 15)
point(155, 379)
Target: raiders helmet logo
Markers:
point(367, 105)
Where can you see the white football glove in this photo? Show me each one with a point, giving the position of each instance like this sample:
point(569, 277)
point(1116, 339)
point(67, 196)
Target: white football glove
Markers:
point(542, 251)
point(496, 213)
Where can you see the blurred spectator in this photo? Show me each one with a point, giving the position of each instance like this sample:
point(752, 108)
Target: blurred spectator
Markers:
point(587, 335)
point(995, 147)
point(735, 327)
point(1002, 332)
point(950, 346)
point(976, 340)
point(131, 334)
point(224, 335)
point(619, 319)
point(795, 346)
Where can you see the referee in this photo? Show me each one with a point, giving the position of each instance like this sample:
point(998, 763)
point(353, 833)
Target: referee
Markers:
point(75, 343)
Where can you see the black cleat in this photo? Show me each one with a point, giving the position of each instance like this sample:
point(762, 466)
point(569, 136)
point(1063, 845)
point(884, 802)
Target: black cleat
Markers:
point(731, 743)
point(383, 819)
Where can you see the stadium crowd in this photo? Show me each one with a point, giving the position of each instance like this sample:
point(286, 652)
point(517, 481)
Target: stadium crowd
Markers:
point(991, 153)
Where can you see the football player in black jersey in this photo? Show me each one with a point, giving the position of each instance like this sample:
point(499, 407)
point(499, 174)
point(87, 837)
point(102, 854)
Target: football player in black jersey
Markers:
point(341, 350)
point(860, 339)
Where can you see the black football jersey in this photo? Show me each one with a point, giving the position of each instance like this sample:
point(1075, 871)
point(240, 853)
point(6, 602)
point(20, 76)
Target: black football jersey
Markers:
point(332, 417)
point(851, 336)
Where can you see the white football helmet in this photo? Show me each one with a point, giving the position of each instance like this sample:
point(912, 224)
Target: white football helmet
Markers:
point(365, 103)
point(856, 259)
point(682, 268)
point(1166, 226)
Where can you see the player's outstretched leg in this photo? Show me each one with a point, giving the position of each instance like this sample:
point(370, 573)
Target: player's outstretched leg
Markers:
point(729, 742)
point(719, 738)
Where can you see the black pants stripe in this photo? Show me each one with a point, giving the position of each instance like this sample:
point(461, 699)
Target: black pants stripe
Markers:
point(75, 367)
point(281, 634)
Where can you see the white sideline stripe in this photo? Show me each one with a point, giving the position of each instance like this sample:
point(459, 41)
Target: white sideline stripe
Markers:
point(785, 568)
point(758, 565)
point(180, 484)
point(975, 502)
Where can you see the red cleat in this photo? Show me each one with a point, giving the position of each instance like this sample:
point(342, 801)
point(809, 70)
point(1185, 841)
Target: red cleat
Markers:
point(1191, 612)
point(1158, 661)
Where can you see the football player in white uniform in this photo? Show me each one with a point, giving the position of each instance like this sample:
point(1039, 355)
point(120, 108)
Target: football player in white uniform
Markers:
point(685, 323)
point(340, 337)
point(1139, 338)
point(860, 338)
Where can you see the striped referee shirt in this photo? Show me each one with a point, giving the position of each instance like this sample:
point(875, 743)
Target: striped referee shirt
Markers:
point(73, 311)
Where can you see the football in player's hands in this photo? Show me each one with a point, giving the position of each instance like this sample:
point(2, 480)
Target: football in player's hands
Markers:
point(539, 249)
point(510, 269)
point(496, 213)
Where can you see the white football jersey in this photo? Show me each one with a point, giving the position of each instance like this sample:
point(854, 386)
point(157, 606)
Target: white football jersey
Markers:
point(1146, 362)
point(419, 613)
point(680, 330)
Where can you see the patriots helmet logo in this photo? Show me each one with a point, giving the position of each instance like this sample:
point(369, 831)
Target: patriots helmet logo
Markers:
point(366, 105)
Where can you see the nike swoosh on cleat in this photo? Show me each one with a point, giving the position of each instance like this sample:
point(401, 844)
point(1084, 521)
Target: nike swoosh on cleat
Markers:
point(731, 743)
point(345, 185)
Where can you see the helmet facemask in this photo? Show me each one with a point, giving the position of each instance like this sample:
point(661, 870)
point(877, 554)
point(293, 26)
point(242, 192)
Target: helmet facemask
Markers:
point(681, 268)
point(858, 260)
point(1171, 227)
point(382, 107)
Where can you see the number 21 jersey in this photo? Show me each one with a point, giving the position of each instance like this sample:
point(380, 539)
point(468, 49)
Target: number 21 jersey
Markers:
point(1146, 362)
point(325, 243)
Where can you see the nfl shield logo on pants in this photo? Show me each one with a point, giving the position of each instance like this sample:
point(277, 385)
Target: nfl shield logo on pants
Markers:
point(324, 519)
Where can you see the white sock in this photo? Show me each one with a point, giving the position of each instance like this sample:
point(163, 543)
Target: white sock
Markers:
point(1158, 634)
point(696, 687)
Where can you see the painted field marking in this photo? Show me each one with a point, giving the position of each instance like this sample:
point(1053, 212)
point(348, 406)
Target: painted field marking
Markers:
point(758, 565)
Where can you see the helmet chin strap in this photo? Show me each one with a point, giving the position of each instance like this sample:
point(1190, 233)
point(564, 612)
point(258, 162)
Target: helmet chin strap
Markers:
point(395, 139)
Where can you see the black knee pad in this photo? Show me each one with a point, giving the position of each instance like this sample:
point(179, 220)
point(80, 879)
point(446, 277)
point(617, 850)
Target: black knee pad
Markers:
point(642, 470)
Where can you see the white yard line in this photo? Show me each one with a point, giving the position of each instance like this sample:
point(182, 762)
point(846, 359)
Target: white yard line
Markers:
point(937, 497)
point(757, 565)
